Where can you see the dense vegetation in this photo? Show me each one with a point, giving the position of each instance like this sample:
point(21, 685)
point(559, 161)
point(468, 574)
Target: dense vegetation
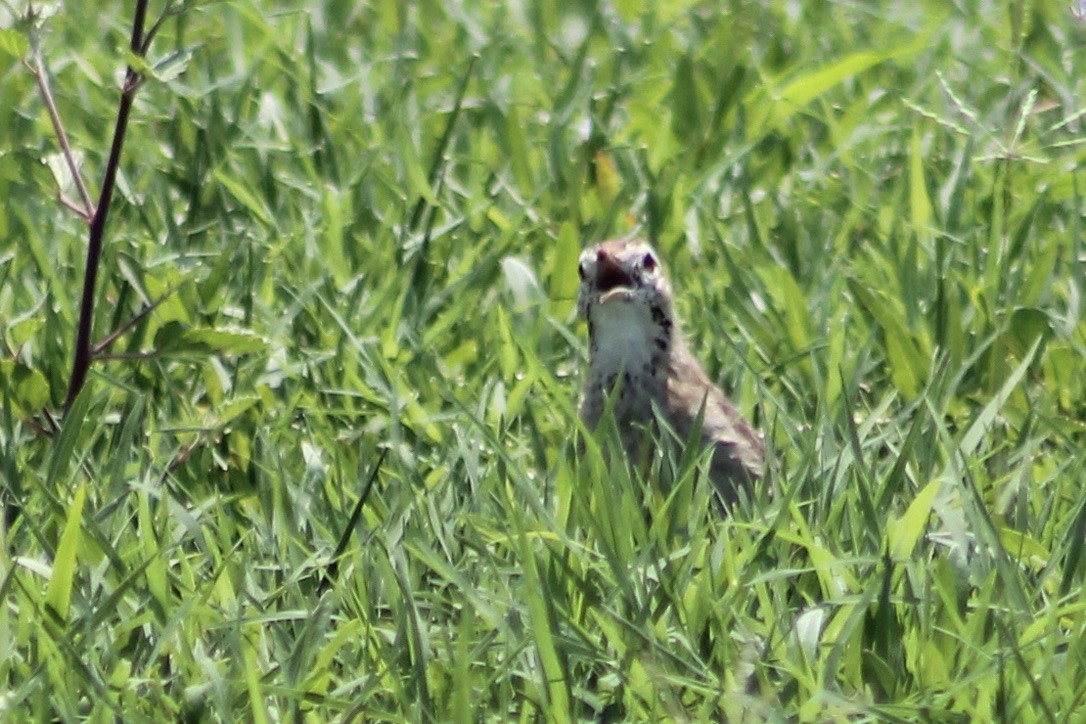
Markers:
point(362, 222)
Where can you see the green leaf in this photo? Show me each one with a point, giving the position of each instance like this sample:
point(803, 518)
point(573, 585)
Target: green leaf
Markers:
point(564, 280)
point(138, 63)
point(412, 167)
point(174, 337)
point(62, 172)
point(236, 407)
point(789, 297)
point(521, 283)
point(23, 328)
point(30, 387)
point(806, 88)
point(908, 367)
point(14, 43)
point(517, 147)
point(1063, 375)
point(686, 121)
point(172, 66)
point(1024, 548)
point(156, 571)
point(241, 193)
point(770, 113)
point(906, 531)
point(1027, 325)
point(168, 337)
point(58, 595)
point(332, 236)
point(980, 426)
point(64, 445)
point(919, 203)
point(540, 618)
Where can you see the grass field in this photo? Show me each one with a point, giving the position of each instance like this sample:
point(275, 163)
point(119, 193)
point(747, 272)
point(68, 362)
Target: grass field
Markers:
point(364, 221)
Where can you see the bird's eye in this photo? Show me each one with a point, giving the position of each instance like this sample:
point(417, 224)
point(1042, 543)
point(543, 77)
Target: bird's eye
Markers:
point(649, 262)
point(580, 271)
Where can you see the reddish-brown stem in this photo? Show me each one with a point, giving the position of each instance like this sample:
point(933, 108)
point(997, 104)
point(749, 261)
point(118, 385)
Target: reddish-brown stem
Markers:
point(83, 352)
point(79, 210)
point(42, 78)
point(127, 356)
point(102, 346)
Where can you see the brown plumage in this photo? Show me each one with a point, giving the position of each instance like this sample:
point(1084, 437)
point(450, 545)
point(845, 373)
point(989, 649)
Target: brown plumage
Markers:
point(636, 344)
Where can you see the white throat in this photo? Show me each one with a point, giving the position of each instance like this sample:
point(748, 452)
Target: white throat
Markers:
point(622, 339)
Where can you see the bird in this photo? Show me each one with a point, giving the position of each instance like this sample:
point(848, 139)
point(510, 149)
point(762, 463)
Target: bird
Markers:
point(639, 357)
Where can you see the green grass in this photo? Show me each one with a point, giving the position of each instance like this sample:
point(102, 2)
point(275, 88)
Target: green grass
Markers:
point(366, 218)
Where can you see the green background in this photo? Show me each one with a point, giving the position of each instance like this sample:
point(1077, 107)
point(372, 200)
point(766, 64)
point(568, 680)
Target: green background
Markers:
point(365, 218)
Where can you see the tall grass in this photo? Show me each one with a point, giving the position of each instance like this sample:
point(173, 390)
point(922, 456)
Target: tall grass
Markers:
point(365, 221)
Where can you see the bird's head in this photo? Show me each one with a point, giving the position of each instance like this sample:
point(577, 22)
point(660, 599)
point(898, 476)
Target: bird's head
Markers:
point(623, 285)
point(621, 272)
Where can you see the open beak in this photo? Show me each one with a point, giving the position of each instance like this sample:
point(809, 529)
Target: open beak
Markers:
point(611, 279)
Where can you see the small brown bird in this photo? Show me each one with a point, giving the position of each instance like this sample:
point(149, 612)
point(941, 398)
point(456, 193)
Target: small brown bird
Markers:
point(635, 343)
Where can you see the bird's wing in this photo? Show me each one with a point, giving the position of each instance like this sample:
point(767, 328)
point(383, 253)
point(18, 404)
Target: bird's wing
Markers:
point(738, 450)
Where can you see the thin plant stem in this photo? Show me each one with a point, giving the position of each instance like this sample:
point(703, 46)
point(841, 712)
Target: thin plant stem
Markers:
point(102, 346)
point(41, 77)
point(79, 210)
point(83, 352)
